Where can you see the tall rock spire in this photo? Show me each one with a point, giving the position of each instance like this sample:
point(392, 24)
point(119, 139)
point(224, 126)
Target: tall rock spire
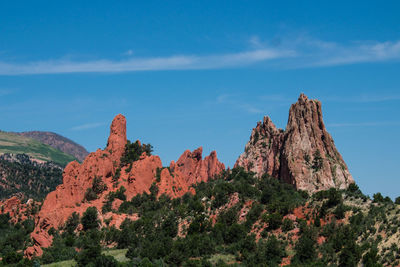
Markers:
point(303, 155)
point(117, 139)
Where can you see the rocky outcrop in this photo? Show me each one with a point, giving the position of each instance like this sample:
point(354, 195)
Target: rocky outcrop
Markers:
point(262, 152)
point(190, 169)
point(303, 155)
point(17, 209)
point(136, 178)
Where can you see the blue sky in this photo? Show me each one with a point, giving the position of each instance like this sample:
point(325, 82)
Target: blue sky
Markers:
point(202, 73)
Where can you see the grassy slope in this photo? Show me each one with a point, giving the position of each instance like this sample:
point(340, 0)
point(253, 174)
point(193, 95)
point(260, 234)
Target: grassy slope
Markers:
point(11, 143)
point(118, 254)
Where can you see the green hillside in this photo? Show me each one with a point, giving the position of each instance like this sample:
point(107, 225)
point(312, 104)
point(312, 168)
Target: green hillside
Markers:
point(16, 144)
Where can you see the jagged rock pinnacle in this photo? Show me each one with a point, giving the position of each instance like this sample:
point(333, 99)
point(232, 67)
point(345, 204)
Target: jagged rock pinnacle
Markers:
point(303, 155)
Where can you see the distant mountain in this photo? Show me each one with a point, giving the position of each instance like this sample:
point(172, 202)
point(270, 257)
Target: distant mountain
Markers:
point(59, 142)
point(17, 144)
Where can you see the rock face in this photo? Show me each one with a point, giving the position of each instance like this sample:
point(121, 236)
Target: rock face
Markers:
point(190, 169)
point(303, 155)
point(137, 178)
point(59, 142)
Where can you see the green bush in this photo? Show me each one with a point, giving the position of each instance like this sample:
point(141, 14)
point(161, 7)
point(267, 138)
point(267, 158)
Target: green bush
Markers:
point(318, 161)
point(90, 219)
point(98, 187)
point(287, 225)
point(133, 151)
point(274, 221)
point(305, 247)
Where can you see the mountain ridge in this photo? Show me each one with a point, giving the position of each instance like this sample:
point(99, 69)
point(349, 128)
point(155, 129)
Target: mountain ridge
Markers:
point(16, 144)
point(59, 142)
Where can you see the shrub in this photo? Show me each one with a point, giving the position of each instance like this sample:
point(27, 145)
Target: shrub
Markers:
point(253, 214)
point(120, 193)
point(133, 151)
point(378, 198)
point(158, 174)
point(89, 219)
point(98, 187)
point(10, 256)
point(339, 212)
point(91, 249)
point(305, 247)
point(317, 161)
point(116, 175)
point(353, 188)
point(287, 225)
point(90, 194)
point(72, 223)
point(274, 221)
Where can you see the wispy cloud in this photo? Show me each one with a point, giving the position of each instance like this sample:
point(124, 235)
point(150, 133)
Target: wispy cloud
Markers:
point(87, 126)
point(183, 62)
point(311, 52)
point(289, 53)
point(234, 101)
point(337, 54)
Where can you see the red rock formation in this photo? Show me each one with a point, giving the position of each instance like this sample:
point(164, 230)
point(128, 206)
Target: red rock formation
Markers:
point(137, 178)
point(188, 170)
point(117, 139)
point(18, 210)
point(303, 155)
point(10, 206)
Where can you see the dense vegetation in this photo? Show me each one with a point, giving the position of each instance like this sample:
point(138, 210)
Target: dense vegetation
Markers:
point(235, 219)
point(21, 175)
point(13, 239)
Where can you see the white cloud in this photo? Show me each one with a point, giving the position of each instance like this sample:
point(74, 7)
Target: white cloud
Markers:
point(300, 52)
point(333, 54)
point(87, 126)
point(184, 62)
point(235, 101)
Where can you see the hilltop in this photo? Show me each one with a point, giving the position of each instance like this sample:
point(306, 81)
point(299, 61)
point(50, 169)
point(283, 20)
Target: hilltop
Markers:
point(16, 144)
point(58, 142)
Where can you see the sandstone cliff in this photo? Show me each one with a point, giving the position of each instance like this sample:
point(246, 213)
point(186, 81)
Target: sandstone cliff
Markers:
point(137, 178)
point(303, 155)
